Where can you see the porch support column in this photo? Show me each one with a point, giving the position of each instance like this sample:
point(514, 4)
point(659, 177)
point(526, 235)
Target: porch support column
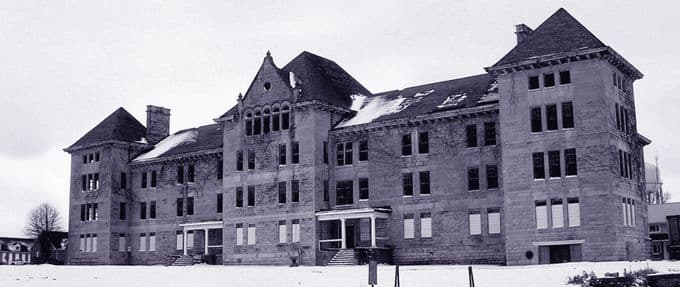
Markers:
point(206, 241)
point(373, 237)
point(184, 240)
point(343, 244)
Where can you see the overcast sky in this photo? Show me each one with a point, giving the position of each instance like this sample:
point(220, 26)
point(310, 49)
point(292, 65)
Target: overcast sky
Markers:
point(66, 65)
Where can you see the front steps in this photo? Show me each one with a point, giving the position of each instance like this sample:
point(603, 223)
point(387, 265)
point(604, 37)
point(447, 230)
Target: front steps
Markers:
point(344, 257)
point(182, 260)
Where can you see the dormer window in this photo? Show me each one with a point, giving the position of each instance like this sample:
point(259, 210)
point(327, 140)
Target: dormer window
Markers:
point(249, 124)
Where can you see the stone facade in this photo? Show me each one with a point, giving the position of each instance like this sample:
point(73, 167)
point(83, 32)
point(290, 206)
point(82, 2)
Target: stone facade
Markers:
point(286, 172)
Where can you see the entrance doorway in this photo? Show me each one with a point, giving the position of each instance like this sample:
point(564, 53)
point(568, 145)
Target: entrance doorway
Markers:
point(549, 254)
point(350, 238)
point(560, 254)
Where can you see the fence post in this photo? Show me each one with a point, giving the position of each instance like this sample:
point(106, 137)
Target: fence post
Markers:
point(396, 276)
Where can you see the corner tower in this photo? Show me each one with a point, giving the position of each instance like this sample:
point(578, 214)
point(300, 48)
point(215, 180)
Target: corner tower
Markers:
point(572, 157)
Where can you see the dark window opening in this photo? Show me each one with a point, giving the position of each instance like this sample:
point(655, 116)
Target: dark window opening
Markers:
point(251, 196)
point(239, 196)
point(533, 83)
point(275, 120)
point(423, 142)
point(282, 192)
point(489, 133)
point(190, 173)
point(180, 206)
point(340, 154)
point(282, 154)
point(471, 135)
point(220, 202)
point(491, 176)
point(154, 178)
point(344, 192)
point(220, 168)
point(539, 165)
point(424, 179)
point(180, 174)
point(251, 159)
point(325, 152)
point(295, 191)
point(285, 118)
point(190, 205)
point(549, 80)
point(142, 210)
point(239, 160)
point(348, 153)
point(144, 180)
point(473, 178)
point(565, 77)
point(406, 144)
point(123, 181)
point(249, 127)
point(407, 184)
point(266, 121)
point(122, 215)
point(152, 209)
point(326, 195)
point(551, 114)
point(257, 123)
point(363, 150)
point(536, 120)
point(295, 150)
point(363, 188)
point(554, 163)
point(567, 115)
point(570, 161)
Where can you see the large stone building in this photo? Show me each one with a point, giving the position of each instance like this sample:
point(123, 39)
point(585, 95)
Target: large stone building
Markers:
point(538, 160)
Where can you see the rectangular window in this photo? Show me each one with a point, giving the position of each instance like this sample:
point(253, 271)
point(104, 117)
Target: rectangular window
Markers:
point(282, 192)
point(96, 181)
point(94, 242)
point(251, 196)
point(363, 150)
point(536, 120)
point(122, 247)
point(239, 196)
point(625, 212)
point(541, 215)
point(152, 241)
point(180, 206)
point(95, 211)
point(266, 122)
point(473, 178)
point(251, 159)
point(96, 156)
point(574, 212)
point(276, 120)
point(85, 158)
point(406, 144)
point(348, 153)
point(84, 182)
point(295, 150)
point(423, 142)
point(491, 176)
point(344, 192)
point(409, 228)
point(326, 193)
point(251, 234)
point(471, 135)
point(122, 211)
point(154, 178)
point(142, 210)
point(152, 209)
point(570, 162)
point(475, 221)
point(190, 205)
point(142, 242)
point(567, 115)
point(143, 180)
point(363, 188)
point(83, 209)
point(617, 110)
point(82, 243)
point(557, 213)
point(340, 154)
point(554, 163)
point(407, 183)
point(190, 173)
point(282, 154)
point(296, 230)
point(654, 228)
point(494, 216)
point(123, 181)
point(180, 174)
point(239, 234)
point(565, 77)
point(549, 80)
point(426, 225)
point(239, 160)
point(621, 170)
point(551, 114)
point(632, 212)
point(190, 239)
point(489, 133)
point(283, 232)
point(179, 240)
point(295, 191)
point(220, 168)
point(424, 178)
point(220, 202)
point(88, 242)
point(325, 152)
point(533, 82)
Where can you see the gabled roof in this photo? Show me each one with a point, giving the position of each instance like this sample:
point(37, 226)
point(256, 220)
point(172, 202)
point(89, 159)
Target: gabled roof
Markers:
point(119, 126)
point(324, 80)
point(425, 99)
point(657, 212)
point(185, 141)
point(560, 33)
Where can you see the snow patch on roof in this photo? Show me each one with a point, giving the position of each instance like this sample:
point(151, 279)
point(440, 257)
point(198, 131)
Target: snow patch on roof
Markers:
point(142, 141)
point(452, 100)
point(169, 143)
point(422, 94)
point(369, 109)
point(489, 97)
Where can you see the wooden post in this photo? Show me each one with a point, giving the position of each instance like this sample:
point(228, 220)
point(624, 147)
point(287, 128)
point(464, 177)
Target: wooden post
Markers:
point(472, 278)
point(396, 276)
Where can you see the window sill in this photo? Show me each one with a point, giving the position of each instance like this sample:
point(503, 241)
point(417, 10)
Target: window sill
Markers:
point(363, 200)
point(424, 194)
point(473, 190)
point(407, 196)
point(571, 176)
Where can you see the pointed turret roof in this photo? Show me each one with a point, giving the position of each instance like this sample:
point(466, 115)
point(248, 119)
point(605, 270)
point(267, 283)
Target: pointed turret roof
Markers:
point(119, 126)
point(324, 80)
point(560, 33)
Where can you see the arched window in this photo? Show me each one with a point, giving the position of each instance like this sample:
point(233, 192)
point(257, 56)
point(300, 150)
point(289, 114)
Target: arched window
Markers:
point(257, 124)
point(249, 124)
point(285, 118)
point(275, 119)
point(266, 120)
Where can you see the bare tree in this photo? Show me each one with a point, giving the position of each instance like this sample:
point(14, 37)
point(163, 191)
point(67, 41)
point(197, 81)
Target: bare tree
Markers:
point(43, 218)
point(665, 197)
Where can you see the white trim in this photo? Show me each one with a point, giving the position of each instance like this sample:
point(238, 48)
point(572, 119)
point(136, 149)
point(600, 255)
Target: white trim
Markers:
point(353, 213)
point(202, 225)
point(558, 242)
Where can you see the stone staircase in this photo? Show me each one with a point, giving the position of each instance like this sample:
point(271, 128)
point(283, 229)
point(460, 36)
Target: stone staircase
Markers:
point(181, 260)
point(343, 257)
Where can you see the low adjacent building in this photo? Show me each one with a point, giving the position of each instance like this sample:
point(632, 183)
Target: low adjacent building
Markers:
point(15, 250)
point(664, 230)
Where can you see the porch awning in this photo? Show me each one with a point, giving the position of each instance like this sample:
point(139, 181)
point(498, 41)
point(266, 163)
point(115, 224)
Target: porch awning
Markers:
point(353, 213)
point(201, 225)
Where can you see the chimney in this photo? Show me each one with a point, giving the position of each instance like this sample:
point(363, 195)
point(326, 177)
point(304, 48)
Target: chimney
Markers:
point(523, 32)
point(157, 124)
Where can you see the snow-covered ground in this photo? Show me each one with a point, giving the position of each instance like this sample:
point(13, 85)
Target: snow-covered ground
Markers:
point(246, 276)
